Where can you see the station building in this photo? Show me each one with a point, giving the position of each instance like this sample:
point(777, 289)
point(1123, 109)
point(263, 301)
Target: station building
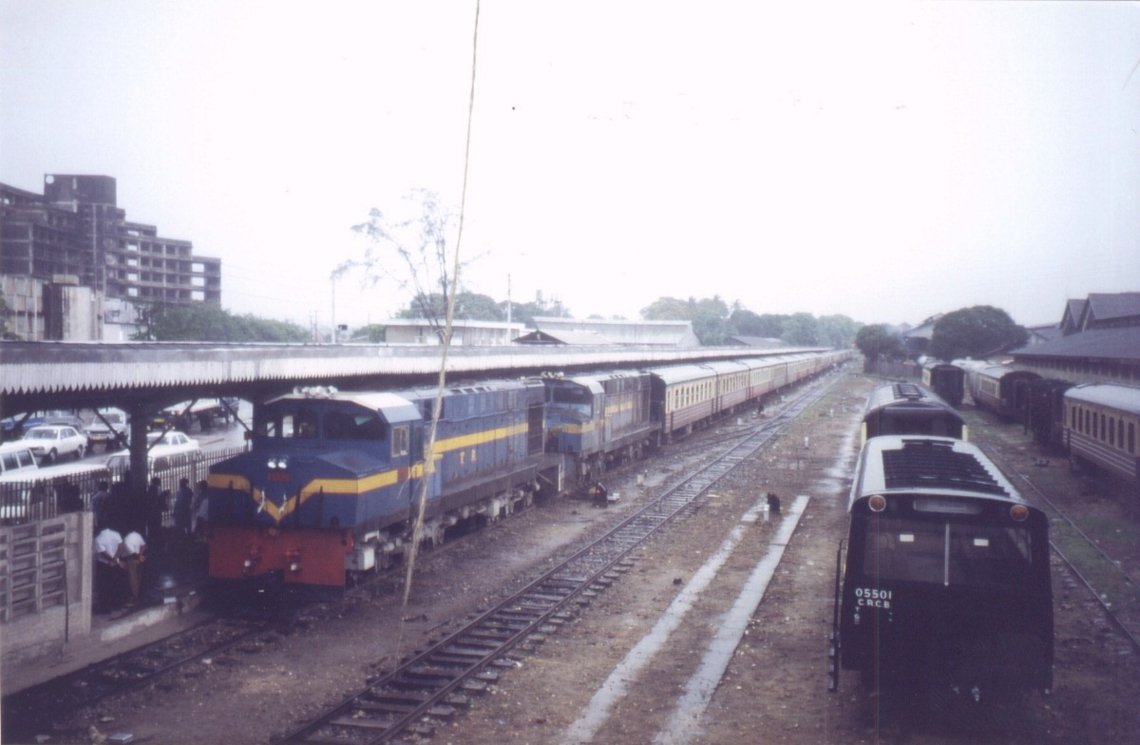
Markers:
point(72, 266)
point(1097, 341)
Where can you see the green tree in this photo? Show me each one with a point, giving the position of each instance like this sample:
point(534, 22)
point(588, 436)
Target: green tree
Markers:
point(877, 341)
point(526, 312)
point(977, 331)
point(837, 331)
point(5, 311)
point(800, 330)
point(210, 322)
point(667, 309)
point(469, 306)
point(373, 333)
point(764, 325)
point(710, 320)
point(708, 316)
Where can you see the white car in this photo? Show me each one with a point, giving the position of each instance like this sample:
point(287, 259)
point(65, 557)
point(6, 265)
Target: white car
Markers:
point(171, 442)
point(49, 442)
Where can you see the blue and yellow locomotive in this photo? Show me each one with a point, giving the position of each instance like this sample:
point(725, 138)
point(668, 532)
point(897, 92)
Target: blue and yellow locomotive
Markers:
point(332, 480)
point(599, 419)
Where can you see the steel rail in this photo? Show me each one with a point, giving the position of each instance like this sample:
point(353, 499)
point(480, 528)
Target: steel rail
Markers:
point(434, 683)
point(1133, 638)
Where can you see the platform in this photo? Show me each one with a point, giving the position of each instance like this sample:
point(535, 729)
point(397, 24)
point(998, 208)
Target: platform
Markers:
point(164, 613)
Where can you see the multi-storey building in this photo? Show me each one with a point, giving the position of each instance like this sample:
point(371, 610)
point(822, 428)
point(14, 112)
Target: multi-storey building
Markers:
point(73, 267)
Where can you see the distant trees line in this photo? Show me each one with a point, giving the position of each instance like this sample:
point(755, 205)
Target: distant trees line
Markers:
point(714, 322)
point(976, 332)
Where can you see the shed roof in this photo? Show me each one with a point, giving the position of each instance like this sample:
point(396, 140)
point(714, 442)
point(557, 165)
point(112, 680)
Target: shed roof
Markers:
point(1111, 306)
point(1112, 344)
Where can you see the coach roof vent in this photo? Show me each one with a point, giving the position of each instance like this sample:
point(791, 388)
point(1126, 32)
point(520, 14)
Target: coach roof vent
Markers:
point(935, 464)
point(909, 391)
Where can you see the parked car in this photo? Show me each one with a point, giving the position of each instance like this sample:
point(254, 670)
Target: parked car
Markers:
point(171, 442)
point(50, 442)
point(15, 427)
point(109, 429)
point(17, 469)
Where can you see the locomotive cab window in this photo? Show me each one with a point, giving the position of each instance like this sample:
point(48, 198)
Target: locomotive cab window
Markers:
point(573, 397)
point(290, 424)
point(947, 553)
point(400, 441)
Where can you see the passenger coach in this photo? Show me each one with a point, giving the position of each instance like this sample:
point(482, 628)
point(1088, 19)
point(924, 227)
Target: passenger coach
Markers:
point(948, 381)
point(1101, 421)
point(1002, 390)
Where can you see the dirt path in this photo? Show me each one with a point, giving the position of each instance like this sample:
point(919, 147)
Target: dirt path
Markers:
point(772, 690)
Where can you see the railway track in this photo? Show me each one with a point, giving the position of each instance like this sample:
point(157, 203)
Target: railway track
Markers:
point(1112, 589)
point(436, 684)
point(29, 712)
point(472, 656)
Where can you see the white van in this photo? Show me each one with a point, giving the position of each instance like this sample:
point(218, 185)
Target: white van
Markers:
point(17, 463)
point(168, 462)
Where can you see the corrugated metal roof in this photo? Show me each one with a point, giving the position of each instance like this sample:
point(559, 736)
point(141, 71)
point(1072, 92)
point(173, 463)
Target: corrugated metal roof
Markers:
point(53, 367)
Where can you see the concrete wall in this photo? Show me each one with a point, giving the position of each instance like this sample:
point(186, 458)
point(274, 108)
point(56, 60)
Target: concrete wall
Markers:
point(46, 571)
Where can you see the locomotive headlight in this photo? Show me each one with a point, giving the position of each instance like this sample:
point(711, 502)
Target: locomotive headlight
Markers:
point(877, 502)
point(277, 463)
point(1019, 513)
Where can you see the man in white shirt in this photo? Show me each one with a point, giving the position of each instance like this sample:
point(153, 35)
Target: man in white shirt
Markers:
point(108, 575)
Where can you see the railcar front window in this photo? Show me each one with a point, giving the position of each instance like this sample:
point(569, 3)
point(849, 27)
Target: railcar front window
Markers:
point(948, 553)
point(575, 398)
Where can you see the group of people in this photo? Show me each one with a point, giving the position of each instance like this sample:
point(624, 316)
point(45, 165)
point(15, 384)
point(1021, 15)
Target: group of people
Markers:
point(128, 526)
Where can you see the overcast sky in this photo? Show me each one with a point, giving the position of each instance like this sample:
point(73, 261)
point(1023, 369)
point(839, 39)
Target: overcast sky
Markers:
point(884, 161)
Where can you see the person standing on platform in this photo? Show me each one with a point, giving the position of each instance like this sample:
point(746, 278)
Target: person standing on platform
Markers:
point(108, 570)
point(201, 510)
point(154, 506)
point(183, 502)
point(99, 505)
point(132, 554)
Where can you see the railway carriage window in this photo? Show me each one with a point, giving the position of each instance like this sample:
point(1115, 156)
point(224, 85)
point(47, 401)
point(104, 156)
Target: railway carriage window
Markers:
point(1101, 435)
point(1112, 430)
point(1132, 438)
point(1120, 433)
